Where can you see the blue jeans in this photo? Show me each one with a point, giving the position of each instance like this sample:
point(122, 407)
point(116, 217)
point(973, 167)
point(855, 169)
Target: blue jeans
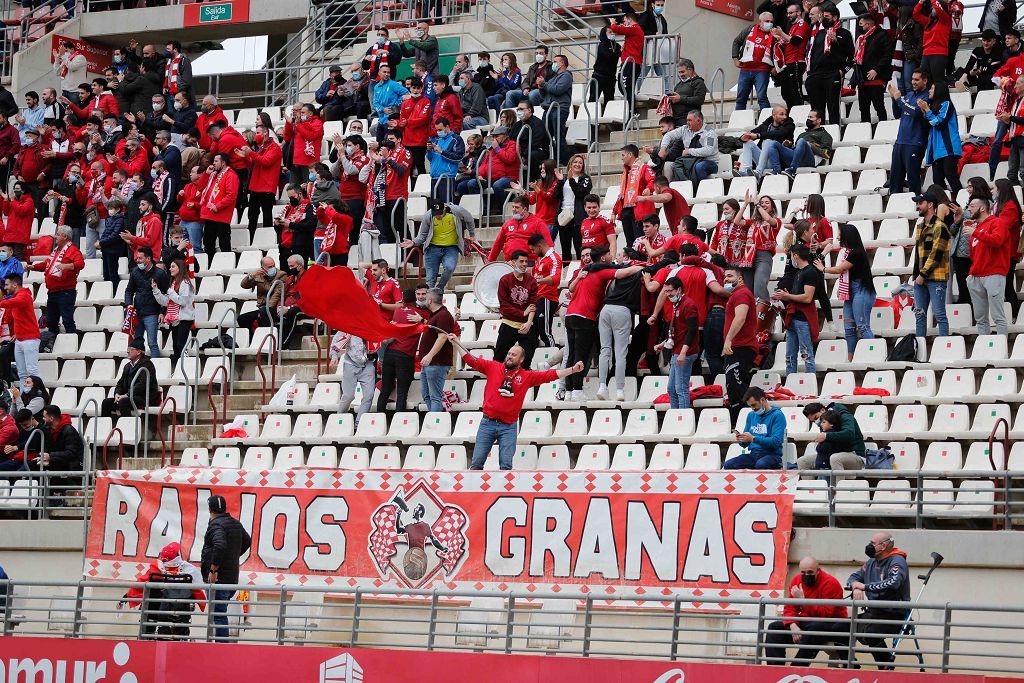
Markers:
point(799, 155)
point(493, 432)
point(433, 258)
point(149, 324)
point(194, 230)
point(758, 80)
point(857, 313)
point(701, 170)
point(903, 79)
point(679, 380)
point(933, 291)
point(220, 613)
point(996, 150)
point(514, 97)
point(469, 122)
point(798, 337)
point(433, 377)
point(61, 306)
point(496, 102)
point(754, 460)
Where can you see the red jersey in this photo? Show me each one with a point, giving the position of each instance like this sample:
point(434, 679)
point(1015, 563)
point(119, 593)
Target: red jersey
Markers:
point(20, 306)
point(657, 242)
point(506, 408)
point(409, 342)
point(550, 264)
point(796, 49)
point(588, 297)
point(633, 48)
point(596, 231)
point(415, 122)
point(675, 210)
point(515, 295)
point(765, 233)
point(685, 321)
point(746, 338)
point(386, 291)
point(675, 241)
point(695, 281)
point(731, 242)
point(822, 229)
point(515, 236)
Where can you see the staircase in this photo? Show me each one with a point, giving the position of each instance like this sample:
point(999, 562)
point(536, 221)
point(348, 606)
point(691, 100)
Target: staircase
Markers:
point(23, 26)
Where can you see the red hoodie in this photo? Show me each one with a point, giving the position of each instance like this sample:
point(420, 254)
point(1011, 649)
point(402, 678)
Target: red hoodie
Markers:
point(203, 121)
point(501, 161)
point(506, 408)
point(189, 198)
point(229, 141)
point(266, 167)
point(991, 248)
point(936, 28)
point(9, 436)
point(150, 234)
point(449, 106)
point(20, 305)
point(105, 102)
point(415, 122)
point(20, 215)
point(825, 588)
point(308, 137)
point(337, 231)
point(31, 163)
point(633, 48)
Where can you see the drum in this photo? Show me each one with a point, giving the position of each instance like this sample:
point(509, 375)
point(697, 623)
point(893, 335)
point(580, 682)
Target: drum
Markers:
point(485, 283)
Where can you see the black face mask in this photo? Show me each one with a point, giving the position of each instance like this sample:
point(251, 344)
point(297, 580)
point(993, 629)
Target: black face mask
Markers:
point(869, 550)
point(827, 23)
point(810, 124)
point(809, 579)
point(292, 270)
point(294, 201)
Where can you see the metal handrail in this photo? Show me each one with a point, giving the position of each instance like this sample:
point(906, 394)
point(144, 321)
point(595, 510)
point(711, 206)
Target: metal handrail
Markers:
point(234, 335)
point(42, 468)
point(992, 461)
point(319, 346)
point(120, 448)
point(88, 460)
point(193, 344)
point(267, 309)
point(274, 354)
point(717, 106)
point(159, 427)
point(135, 408)
point(405, 264)
point(224, 392)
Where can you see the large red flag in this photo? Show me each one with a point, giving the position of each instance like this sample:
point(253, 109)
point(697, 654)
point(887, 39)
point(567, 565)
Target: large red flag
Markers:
point(336, 297)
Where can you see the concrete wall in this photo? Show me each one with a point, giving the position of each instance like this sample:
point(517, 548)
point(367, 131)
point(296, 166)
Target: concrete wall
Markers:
point(706, 37)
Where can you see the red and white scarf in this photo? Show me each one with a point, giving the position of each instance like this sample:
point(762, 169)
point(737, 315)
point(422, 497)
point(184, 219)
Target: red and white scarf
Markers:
point(212, 190)
point(173, 311)
point(630, 189)
point(158, 187)
point(844, 277)
point(171, 75)
point(862, 39)
point(53, 263)
point(829, 38)
point(758, 47)
point(379, 54)
point(65, 62)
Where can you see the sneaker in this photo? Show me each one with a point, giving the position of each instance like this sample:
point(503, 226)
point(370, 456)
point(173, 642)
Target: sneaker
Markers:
point(602, 392)
point(560, 394)
point(832, 326)
point(791, 172)
point(620, 395)
point(577, 396)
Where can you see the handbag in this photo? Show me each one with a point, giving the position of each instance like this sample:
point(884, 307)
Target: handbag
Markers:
point(664, 106)
point(565, 217)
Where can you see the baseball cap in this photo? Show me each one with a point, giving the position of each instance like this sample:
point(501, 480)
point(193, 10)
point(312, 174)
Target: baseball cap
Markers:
point(334, 69)
point(989, 34)
point(926, 197)
point(436, 206)
point(217, 504)
point(499, 130)
point(170, 551)
point(137, 344)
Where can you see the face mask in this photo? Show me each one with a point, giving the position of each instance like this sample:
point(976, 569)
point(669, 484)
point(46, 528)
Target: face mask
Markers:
point(517, 216)
point(555, 66)
point(675, 298)
point(381, 40)
point(767, 25)
point(30, 142)
point(659, 11)
point(421, 304)
point(504, 65)
point(522, 269)
point(292, 270)
point(727, 216)
point(484, 63)
point(271, 272)
point(869, 550)
point(258, 138)
point(56, 135)
point(208, 110)
point(73, 177)
point(762, 411)
point(108, 128)
point(294, 201)
point(543, 175)
point(827, 23)
point(3, 256)
point(810, 123)
point(418, 33)
point(538, 58)
point(312, 177)
point(729, 287)
point(303, 117)
point(520, 114)
point(153, 172)
point(350, 150)
point(157, 106)
point(809, 579)
point(356, 75)
point(90, 156)
point(118, 59)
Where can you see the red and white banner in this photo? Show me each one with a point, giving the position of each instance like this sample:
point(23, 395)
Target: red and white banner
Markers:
point(699, 535)
point(98, 56)
point(49, 660)
point(744, 9)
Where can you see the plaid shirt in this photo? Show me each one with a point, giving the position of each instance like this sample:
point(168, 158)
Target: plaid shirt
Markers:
point(932, 250)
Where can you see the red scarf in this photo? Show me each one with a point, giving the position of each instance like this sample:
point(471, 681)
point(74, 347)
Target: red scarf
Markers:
point(758, 47)
point(53, 262)
point(64, 64)
point(171, 75)
point(858, 53)
point(630, 189)
point(829, 37)
point(292, 214)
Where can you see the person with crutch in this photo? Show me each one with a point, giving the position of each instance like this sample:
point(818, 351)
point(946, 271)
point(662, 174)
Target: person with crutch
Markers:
point(885, 577)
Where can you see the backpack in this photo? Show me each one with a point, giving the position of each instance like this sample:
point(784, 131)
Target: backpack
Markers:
point(905, 350)
point(882, 459)
point(224, 341)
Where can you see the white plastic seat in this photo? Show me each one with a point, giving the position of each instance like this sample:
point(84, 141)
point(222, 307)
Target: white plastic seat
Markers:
point(629, 457)
point(339, 426)
point(593, 457)
point(838, 384)
point(227, 458)
point(666, 457)
point(403, 425)
point(811, 497)
point(852, 496)
point(956, 383)
point(553, 458)
point(802, 383)
point(452, 458)
point(713, 422)
point(308, 427)
point(322, 456)
point(416, 458)
point(354, 458)
point(987, 415)
point(525, 457)
point(871, 351)
point(892, 496)
point(571, 423)
point(989, 347)
point(536, 424)
point(704, 458)
point(372, 426)
point(195, 457)
point(606, 423)
point(387, 458)
point(918, 384)
point(978, 459)
point(289, 458)
point(276, 426)
point(947, 351)
point(937, 496)
point(641, 423)
point(467, 424)
point(974, 498)
point(943, 457)
point(258, 458)
point(906, 454)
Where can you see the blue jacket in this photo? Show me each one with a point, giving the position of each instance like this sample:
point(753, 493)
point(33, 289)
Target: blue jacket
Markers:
point(558, 90)
point(887, 578)
point(446, 162)
point(386, 94)
point(509, 81)
point(184, 120)
point(944, 134)
point(428, 88)
point(110, 240)
point(171, 156)
point(321, 92)
point(11, 266)
point(913, 126)
point(769, 432)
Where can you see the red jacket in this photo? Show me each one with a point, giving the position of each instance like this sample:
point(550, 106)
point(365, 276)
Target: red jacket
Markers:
point(307, 138)
point(150, 233)
point(222, 192)
point(105, 102)
point(31, 163)
point(349, 186)
point(415, 122)
point(547, 207)
point(97, 192)
point(20, 215)
point(189, 198)
point(20, 305)
point(229, 141)
point(991, 248)
point(9, 433)
point(63, 280)
point(502, 161)
point(396, 178)
point(266, 167)
point(515, 235)
point(936, 28)
point(10, 141)
point(203, 122)
point(825, 588)
point(338, 228)
point(633, 48)
point(450, 107)
point(136, 163)
point(1011, 216)
point(506, 408)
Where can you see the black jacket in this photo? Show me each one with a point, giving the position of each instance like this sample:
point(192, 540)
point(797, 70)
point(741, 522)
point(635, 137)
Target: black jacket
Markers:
point(66, 447)
point(768, 131)
point(139, 292)
point(692, 94)
point(154, 122)
point(837, 58)
point(538, 143)
point(606, 63)
point(184, 120)
point(580, 189)
point(878, 55)
point(654, 25)
point(778, 13)
point(225, 542)
point(132, 383)
point(7, 104)
point(1007, 17)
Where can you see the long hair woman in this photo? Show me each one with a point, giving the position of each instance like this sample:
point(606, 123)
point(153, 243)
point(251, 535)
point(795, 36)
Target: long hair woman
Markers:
point(944, 149)
point(180, 303)
point(573, 185)
point(1008, 210)
point(856, 288)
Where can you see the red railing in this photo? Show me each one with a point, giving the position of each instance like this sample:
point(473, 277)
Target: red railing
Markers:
point(1001, 495)
point(160, 431)
point(120, 448)
point(224, 392)
point(476, 248)
point(272, 357)
point(405, 264)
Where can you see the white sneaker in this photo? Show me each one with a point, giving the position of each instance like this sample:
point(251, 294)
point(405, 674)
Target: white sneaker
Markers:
point(832, 326)
point(577, 396)
point(602, 392)
point(620, 395)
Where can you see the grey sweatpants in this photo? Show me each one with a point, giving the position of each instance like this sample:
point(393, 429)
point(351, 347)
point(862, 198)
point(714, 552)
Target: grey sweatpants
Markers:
point(351, 376)
point(987, 296)
point(369, 246)
point(838, 461)
point(614, 325)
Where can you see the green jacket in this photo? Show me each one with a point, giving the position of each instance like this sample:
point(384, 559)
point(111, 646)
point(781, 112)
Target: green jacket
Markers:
point(819, 140)
point(848, 437)
point(425, 50)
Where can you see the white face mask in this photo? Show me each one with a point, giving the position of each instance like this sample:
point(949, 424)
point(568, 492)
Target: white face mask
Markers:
point(767, 25)
point(538, 58)
point(517, 216)
point(350, 150)
point(157, 106)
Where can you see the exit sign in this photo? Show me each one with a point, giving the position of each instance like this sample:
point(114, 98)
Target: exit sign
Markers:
point(226, 12)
